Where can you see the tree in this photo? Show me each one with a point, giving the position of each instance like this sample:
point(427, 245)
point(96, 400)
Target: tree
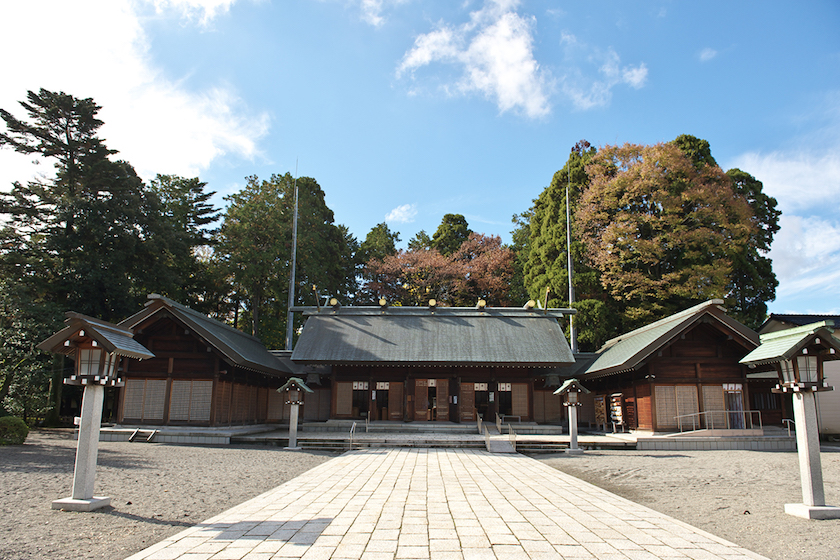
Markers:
point(379, 243)
point(450, 234)
point(255, 241)
point(545, 261)
point(484, 271)
point(661, 231)
point(481, 269)
point(86, 239)
point(753, 282)
point(421, 240)
point(86, 236)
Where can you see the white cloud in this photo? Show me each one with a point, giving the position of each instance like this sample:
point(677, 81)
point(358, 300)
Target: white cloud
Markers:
point(806, 255)
point(587, 92)
point(494, 52)
point(806, 250)
point(799, 180)
point(157, 124)
point(202, 10)
point(402, 214)
point(707, 54)
point(372, 10)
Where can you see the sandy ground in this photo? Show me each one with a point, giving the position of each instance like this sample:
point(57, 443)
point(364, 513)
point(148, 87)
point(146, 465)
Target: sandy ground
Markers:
point(158, 490)
point(736, 495)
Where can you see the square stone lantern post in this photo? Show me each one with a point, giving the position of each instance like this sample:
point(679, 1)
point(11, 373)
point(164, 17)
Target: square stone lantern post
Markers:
point(572, 389)
point(294, 389)
point(798, 355)
point(97, 347)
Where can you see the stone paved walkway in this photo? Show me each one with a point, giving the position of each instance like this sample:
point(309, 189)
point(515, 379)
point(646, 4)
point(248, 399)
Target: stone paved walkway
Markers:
point(440, 504)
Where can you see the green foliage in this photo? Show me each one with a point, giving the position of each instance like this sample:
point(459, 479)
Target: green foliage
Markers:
point(753, 282)
point(450, 234)
point(13, 430)
point(87, 239)
point(379, 243)
point(255, 244)
point(545, 262)
point(698, 151)
point(421, 240)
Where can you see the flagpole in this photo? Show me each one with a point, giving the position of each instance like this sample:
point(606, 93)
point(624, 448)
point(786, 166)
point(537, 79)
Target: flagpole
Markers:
point(572, 328)
point(290, 319)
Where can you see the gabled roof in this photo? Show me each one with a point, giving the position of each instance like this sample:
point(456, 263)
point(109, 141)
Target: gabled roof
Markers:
point(240, 349)
point(784, 345)
point(414, 336)
point(780, 321)
point(630, 351)
point(113, 338)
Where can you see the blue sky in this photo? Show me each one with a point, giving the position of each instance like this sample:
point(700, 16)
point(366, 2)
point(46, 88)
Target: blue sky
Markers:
point(405, 110)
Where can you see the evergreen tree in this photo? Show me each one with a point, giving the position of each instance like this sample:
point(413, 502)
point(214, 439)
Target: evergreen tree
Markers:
point(450, 234)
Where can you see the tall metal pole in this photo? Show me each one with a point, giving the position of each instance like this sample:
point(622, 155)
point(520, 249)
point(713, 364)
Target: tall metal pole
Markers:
point(572, 329)
point(290, 319)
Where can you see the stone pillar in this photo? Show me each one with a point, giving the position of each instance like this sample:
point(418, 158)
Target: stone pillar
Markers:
point(573, 431)
point(810, 467)
point(87, 449)
point(293, 426)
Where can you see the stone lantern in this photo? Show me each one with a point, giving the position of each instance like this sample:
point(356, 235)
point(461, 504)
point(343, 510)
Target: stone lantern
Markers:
point(798, 355)
point(572, 389)
point(97, 347)
point(294, 389)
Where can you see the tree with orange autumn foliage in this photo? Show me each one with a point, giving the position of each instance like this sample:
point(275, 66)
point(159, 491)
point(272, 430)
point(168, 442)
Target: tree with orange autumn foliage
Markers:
point(661, 230)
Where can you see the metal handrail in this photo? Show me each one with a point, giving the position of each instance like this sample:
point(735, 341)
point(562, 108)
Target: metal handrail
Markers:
point(478, 422)
point(367, 422)
point(787, 422)
point(499, 423)
point(512, 436)
point(708, 419)
point(352, 431)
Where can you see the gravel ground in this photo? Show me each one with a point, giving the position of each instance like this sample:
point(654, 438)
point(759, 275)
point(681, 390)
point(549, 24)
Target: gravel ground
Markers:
point(158, 490)
point(736, 495)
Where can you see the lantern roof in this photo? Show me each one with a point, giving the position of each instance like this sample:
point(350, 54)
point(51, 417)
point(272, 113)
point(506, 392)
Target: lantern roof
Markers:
point(112, 338)
point(295, 383)
point(783, 345)
point(571, 385)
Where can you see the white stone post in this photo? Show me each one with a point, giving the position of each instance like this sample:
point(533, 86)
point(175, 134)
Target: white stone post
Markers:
point(87, 449)
point(573, 431)
point(293, 422)
point(810, 466)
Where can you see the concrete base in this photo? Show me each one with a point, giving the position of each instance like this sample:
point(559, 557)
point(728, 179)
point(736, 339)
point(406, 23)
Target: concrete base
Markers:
point(813, 512)
point(69, 504)
point(293, 448)
point(574, 451)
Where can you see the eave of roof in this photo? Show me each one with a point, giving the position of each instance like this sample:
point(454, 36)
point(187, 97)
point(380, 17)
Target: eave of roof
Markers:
point(240, 349)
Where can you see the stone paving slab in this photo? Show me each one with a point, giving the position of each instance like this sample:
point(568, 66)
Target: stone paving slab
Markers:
point(430, 504)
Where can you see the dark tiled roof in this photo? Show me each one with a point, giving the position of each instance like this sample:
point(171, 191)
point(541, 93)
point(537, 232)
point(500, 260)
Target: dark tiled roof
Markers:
point(445, 336)
point(630, 350)
point(239, 348)
point(778, 321)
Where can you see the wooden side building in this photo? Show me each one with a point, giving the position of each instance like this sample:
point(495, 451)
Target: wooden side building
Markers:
point(204, 373)
point(681, 371)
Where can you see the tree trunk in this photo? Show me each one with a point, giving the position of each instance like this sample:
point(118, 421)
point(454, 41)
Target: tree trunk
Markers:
point(52, 417)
